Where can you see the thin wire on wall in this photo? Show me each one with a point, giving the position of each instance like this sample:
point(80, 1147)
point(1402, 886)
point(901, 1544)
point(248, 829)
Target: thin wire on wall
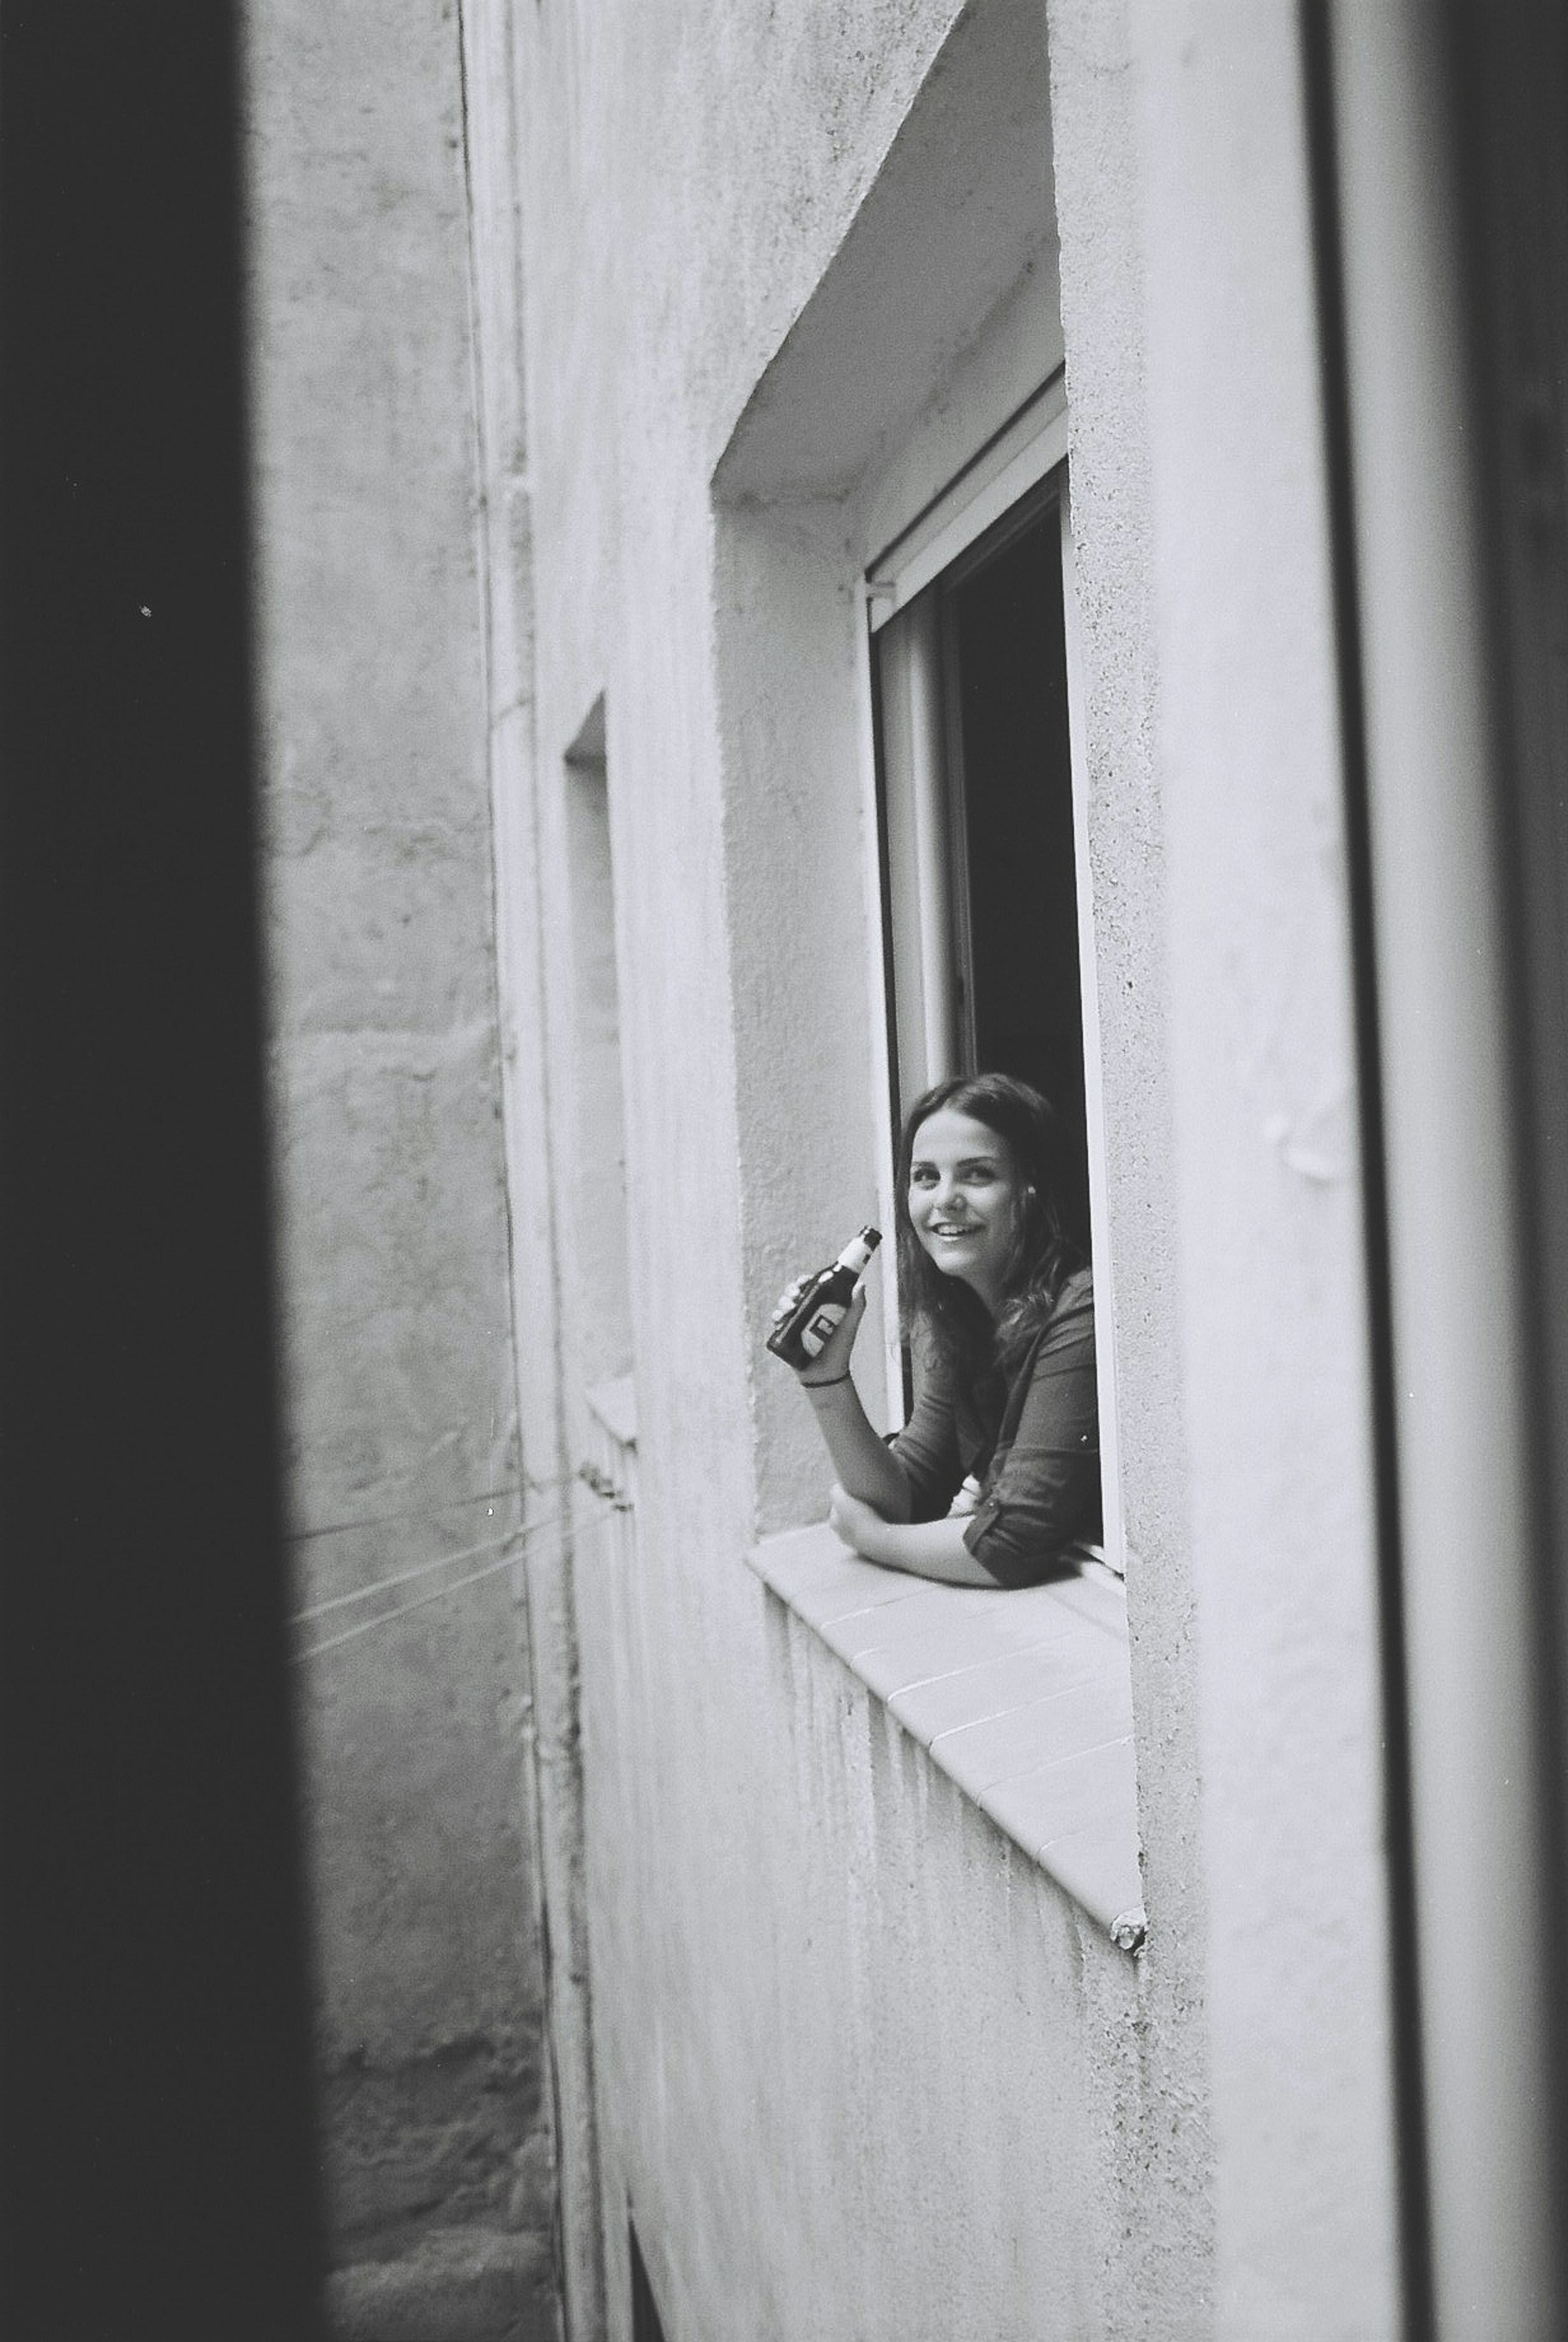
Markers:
point(508, 1560)
point(426, 1512)
point(425, 1569)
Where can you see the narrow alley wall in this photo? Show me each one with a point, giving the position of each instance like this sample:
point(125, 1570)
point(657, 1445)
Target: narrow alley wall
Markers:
point(400, 1397)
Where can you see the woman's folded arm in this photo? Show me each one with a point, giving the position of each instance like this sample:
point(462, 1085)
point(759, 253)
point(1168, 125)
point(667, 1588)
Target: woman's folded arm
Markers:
point(925, 1548)
point(1045, 1489)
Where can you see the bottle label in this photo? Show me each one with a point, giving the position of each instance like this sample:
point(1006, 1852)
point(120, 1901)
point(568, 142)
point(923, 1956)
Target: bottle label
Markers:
point(815, 1333)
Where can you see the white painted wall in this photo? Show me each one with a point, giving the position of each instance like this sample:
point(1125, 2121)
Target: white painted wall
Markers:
point(1273, 1309)
point(861, 2072)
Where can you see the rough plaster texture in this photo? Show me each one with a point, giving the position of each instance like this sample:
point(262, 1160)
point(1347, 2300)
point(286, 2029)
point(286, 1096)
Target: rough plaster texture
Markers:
point(1272, 1310)
point(1099, 204)
point(392, 1207)
point(859, 2072)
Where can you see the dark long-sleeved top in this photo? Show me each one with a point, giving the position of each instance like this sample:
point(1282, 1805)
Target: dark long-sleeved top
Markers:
point(1031, 1442)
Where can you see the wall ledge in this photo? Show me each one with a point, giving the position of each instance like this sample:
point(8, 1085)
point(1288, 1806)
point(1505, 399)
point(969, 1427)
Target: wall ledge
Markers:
point(1022, 1696)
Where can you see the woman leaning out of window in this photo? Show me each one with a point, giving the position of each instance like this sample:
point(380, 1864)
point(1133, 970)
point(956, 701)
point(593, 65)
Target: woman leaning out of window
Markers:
point(997, 1470)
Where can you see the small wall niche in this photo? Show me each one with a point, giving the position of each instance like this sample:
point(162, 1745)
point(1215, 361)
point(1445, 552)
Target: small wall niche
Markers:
point(593, 1184)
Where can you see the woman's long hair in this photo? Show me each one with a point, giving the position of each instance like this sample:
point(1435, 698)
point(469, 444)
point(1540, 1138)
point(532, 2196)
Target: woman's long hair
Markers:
point(952, 1317)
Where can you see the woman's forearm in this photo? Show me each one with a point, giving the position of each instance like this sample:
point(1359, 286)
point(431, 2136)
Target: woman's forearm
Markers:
point(865, 1465)
point(925, 1548)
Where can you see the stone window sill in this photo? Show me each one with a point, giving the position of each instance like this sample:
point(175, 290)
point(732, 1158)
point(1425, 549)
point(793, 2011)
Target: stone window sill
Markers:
point(1020, 1696)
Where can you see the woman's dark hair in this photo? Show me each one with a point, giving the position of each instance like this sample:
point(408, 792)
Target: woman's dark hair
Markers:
point(1045, 1252)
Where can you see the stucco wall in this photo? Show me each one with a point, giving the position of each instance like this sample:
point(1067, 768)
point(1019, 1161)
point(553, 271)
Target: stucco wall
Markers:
point(860, 2071)
point(1101, 198)
point(393, 1217)
point(1269, 1207)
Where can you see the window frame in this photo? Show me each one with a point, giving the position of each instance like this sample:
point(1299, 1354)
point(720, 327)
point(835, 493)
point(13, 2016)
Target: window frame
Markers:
point(918, 801)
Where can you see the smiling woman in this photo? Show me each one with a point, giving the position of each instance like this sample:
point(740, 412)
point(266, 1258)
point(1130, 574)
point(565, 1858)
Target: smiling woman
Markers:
point(997, 1471)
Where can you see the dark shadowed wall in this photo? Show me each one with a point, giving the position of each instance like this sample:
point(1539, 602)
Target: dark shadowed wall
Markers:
point(400, 1399)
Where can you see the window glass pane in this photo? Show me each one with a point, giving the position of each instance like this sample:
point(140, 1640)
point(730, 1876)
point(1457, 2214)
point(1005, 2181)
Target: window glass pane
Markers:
point(1017, 960)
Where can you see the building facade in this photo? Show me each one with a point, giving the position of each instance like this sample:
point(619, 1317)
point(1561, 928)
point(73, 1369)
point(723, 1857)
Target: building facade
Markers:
point(996, 545)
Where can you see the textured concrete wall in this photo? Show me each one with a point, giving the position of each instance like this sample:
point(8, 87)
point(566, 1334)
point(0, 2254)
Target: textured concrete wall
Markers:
point(861, 2072)
point(1273, 1314)
point(393, 1217)
point(1100, 205)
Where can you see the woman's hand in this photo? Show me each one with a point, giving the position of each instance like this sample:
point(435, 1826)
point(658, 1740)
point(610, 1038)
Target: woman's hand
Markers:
point(861, 1460)
point(831, 1364)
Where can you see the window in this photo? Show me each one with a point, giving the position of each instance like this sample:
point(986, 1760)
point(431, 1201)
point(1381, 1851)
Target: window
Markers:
point(905, 372)
point(987, 940)
point(965, 691)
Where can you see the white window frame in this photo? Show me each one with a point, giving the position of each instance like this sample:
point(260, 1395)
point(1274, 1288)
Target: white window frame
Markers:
point(1024, 453)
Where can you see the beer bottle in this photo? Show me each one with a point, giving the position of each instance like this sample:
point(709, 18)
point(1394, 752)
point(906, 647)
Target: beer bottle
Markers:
point(810, 1325)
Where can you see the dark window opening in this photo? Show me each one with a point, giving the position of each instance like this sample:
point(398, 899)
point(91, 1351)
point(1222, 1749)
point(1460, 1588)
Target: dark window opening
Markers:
point(993, 630)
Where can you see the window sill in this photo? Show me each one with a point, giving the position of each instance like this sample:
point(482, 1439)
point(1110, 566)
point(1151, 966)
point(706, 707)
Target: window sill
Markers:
point(1020, 1696)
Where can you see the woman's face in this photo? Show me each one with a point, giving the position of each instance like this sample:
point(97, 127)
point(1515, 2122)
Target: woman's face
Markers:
point(966, 1196)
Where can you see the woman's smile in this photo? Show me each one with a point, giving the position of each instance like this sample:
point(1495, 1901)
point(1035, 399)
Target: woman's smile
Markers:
point(964, 1197)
